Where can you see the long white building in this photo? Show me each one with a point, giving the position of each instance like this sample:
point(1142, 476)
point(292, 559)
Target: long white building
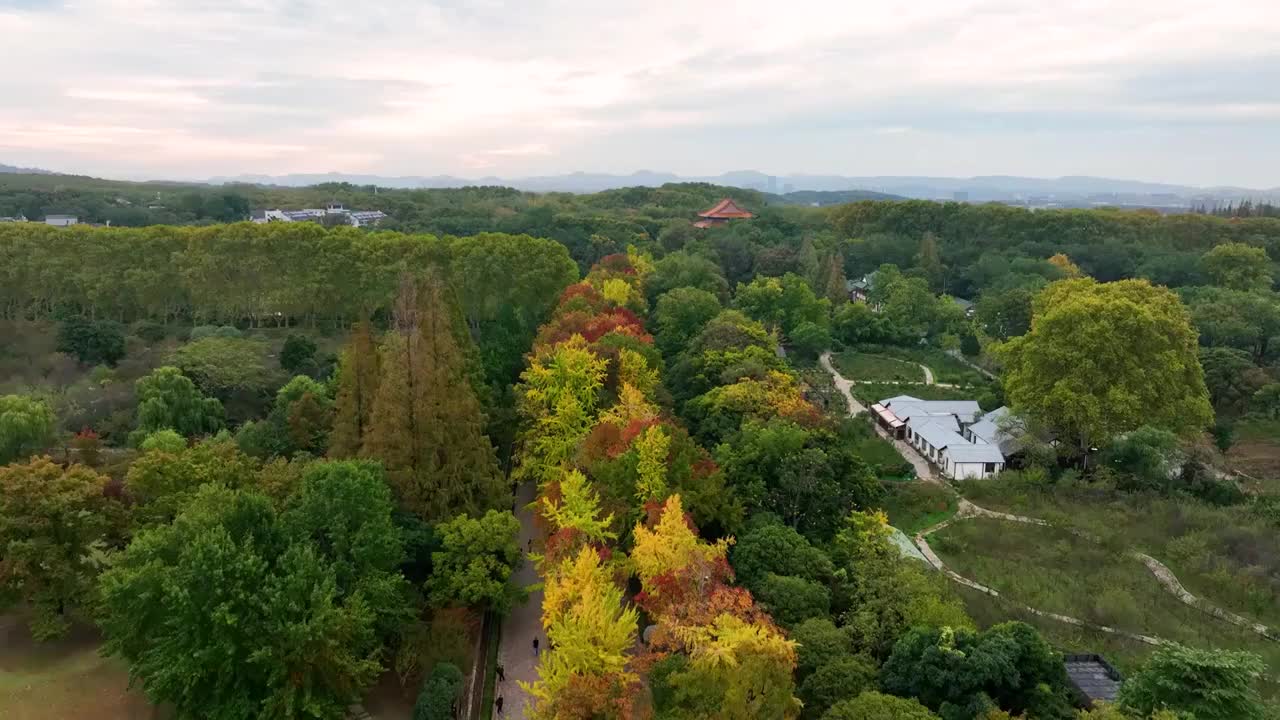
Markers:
point(943, 432)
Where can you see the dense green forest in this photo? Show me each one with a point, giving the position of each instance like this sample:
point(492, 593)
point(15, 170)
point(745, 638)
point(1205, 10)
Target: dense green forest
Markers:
point(331, 420)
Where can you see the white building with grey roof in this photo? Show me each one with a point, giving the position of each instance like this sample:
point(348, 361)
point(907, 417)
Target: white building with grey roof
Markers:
point(940, 431)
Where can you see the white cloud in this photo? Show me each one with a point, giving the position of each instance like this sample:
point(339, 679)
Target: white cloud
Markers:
point(201, 87)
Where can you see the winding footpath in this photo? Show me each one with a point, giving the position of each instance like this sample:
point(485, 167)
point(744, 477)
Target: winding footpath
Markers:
point(966, 509)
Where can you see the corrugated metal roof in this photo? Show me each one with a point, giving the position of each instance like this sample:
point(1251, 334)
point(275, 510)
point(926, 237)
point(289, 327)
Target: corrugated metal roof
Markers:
point(966, 452)
point(1093, 678)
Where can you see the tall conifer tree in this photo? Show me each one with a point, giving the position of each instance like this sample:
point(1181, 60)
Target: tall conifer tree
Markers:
point(358, 375)
point(428, 425)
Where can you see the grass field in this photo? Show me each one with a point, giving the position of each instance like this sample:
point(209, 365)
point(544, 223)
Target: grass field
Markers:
point(875, 392)
point(63, 679)
point(914, 506)
point(1054, 570)
point(1227, 555)
point(1256, 452)
point(868, 367)
point(946, 369)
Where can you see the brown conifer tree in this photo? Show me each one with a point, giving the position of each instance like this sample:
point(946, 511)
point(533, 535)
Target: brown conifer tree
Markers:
point(358, 375)
point(428, 426)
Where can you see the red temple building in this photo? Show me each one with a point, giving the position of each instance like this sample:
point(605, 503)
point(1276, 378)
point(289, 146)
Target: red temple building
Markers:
point(723, 212)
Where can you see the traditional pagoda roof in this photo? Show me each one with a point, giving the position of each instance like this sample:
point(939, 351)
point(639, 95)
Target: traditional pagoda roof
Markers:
point(726, 209)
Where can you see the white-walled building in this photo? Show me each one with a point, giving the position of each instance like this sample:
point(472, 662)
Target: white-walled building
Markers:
point(941, 430)
point(356, 218)
point(61, 220)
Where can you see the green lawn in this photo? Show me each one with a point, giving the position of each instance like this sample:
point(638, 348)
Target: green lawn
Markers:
point(946, 369)
point(1053, 570)
point(914, 506)
point(868, 367)
point(64, 678)
point(875, 392)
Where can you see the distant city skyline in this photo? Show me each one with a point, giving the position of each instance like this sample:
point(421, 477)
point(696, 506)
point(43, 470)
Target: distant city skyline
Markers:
point(1170, 91)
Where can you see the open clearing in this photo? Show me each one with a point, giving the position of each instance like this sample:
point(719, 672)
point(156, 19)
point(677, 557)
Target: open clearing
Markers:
point(867, 367)
point(1054, 570)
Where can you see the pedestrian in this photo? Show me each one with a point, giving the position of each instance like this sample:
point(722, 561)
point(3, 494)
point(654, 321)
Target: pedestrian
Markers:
point(535, 647)
point(502, 674)
point(528, 546)
point(498, 702)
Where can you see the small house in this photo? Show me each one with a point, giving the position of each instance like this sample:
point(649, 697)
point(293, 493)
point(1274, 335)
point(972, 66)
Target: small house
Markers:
point(1092, 679)
point(61, 220)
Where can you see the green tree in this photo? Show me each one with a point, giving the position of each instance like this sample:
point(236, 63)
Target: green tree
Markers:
point(818, 642)
point(1005, 313)
point(771, 547)
point(782, 303)
point(52, 523)
point(167, 475)
point(477, 562)
point(841, 679)
point(681, 314)
point(1206, 684)
point(810, 339)
point(1267, 401)
point(298, 354)
point(878, 706)
point(1147, 458)
point(961, 673)
point(809, 478)
point(440, 693)
point(683, 270)
point(166, 440)
point(1233, 318)
point(26, 427)
point(168, 399)
point(226, 368)
point(1231, 378)
point(357, 382)
point(930, 262)
point(427, 425)
point(792, 600)
point(291, 628)
point(1238, 266)
point(92, 342)
point(1105, 358)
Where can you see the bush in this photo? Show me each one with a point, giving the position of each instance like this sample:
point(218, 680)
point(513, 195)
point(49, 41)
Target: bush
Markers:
point(439, 693)
point(792, 600)
point(201, 332)
point(92, 343)
point(151, 332)
point(298, 354)
point(841, 679)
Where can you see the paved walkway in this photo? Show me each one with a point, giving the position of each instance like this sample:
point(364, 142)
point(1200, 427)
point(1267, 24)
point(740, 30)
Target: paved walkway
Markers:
point(523, 624)
point(966, 509)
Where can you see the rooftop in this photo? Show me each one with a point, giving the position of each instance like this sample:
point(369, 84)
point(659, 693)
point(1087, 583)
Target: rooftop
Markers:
point(726, 209)
point(1092, 677)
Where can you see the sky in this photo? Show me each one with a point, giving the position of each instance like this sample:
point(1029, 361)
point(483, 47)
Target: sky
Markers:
point(1173, 91)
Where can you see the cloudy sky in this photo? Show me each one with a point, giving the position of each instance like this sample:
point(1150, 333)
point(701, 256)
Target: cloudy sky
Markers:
point(1168, 90)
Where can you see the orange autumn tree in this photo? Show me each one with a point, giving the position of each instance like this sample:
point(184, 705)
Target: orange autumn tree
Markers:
point(739, 665)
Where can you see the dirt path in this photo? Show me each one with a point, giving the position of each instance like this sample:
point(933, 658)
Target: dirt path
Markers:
point(966, 509)
point(928, 374)
point(855, 408)
point(523, 624)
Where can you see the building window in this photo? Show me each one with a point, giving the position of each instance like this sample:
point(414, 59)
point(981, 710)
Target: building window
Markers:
point(989, 467)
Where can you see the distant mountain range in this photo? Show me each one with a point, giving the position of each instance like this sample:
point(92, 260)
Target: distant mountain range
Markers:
point(1071, 190)
point(10, 169)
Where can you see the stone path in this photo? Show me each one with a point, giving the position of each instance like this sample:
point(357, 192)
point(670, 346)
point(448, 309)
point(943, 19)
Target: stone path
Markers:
point(523, 624)
point(966, 509)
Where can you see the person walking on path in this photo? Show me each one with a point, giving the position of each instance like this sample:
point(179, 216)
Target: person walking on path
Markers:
point(535, 647)
point(498, 703)
point(502, 674)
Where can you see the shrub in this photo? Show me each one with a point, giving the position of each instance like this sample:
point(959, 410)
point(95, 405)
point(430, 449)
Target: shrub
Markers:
point(298, 354)
point(439, 692)
point(151, 332)
point(92, 343)
point(201, 332)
